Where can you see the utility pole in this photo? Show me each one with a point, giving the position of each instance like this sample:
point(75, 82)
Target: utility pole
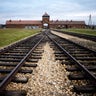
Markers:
point(90, 21)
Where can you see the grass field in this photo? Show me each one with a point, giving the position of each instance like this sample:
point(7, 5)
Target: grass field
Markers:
point(8, 36)
point(82, 31)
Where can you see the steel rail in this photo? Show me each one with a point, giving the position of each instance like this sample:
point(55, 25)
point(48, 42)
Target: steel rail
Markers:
point(82, 67)
point(11, 75)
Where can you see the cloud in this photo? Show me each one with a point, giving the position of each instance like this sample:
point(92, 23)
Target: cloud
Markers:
point(57, 9)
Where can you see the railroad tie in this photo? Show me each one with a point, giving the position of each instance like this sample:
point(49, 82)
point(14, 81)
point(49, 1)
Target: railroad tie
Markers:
point(24, 65)
point(16, 79)
point(85, 89)
point(13, 93)
point(20, 71)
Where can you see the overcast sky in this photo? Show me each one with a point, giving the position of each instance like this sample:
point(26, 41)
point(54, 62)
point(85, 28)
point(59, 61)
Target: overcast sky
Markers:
point(57, 9)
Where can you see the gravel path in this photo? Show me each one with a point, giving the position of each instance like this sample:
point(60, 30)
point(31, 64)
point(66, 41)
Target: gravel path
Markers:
point(87, 43)
point(50, 77)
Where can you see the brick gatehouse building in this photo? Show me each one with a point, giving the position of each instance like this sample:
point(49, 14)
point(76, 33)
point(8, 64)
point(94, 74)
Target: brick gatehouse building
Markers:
point(44, 23)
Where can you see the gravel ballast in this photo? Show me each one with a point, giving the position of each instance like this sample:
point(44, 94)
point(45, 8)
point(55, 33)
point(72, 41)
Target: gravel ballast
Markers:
point(49, 78)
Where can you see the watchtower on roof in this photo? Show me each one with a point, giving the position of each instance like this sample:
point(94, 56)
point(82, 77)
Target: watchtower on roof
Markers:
point(45, 21)
point(45, 15)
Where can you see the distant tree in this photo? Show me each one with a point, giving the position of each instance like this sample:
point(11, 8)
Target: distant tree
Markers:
point(93, 28)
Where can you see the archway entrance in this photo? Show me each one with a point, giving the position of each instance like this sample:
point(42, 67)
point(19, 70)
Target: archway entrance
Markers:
point(46, 25)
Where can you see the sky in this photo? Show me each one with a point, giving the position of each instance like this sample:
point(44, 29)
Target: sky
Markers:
point(57, 9)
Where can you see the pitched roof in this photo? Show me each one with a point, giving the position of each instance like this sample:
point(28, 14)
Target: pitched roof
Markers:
point(45, 15)
point(23, 22)
point(40, 22)
point(67, 22)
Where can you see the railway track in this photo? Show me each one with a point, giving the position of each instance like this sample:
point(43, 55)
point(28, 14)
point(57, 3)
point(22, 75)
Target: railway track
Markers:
point(80, 62)
point(13, 58)
point(84, 36)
